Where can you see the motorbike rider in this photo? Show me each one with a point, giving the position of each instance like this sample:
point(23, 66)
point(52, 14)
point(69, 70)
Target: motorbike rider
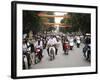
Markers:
point(66, 46)
point(26, 51)
point(87, 45)
point(56, 43)
point(39, 45)
point(63, 41)
point(78, 40)
point(71, 42)
point(87, 40)
point(52, 41)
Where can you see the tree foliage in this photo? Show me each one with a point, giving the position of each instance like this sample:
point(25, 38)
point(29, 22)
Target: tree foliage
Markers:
point(79, 21)
point(33, 22)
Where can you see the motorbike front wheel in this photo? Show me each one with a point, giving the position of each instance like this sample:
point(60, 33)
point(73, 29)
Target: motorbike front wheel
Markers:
point(66, 52)
point(78, 45)
point(71, 47)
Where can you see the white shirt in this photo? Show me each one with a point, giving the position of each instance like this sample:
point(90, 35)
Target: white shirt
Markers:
point(38, 46)
point(52, 41)
point(71, 42)
point(55, 40)
point(78, 39)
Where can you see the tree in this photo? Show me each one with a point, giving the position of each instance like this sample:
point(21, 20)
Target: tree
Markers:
point(35, 23)
point(31, 21)
point(79, 21)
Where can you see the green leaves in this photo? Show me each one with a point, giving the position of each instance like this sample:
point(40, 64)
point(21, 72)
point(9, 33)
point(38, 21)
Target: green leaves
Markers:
point(35, 23)
point(79, 21)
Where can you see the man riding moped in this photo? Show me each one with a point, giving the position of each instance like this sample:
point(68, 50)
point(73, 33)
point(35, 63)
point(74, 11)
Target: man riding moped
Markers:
point(51, 47)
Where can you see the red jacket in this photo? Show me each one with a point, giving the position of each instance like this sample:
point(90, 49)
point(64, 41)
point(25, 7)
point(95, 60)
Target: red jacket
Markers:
point(66, 45)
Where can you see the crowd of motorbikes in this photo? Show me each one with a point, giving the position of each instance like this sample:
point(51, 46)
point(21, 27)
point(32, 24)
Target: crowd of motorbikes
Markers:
point(35, 56)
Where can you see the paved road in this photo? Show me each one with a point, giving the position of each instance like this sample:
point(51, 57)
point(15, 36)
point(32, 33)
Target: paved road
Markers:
point(74, 59)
